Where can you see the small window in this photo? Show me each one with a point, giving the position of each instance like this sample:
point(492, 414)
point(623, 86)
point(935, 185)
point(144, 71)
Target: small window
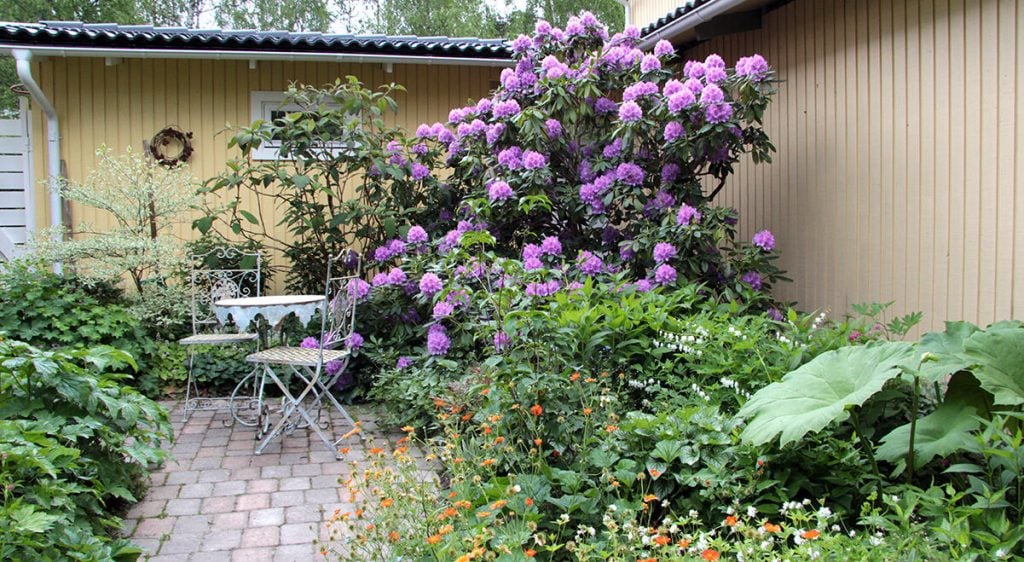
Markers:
point(268, 106)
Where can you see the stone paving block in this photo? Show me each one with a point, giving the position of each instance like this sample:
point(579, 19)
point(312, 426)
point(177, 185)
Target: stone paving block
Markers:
point(249, 502)
point(154, 527)
point(247, 473)
point(335, 468)
point(215, 475)
point(287, 499)
point(148, 545)
point(305, 513)
point(232, 520)
point(192, 524)
point(127, 526)
point(215, 556)
point(264, 517)
point(325, 481)
point(266, 459)
point(236, 462)
point(276, 471)
point(188, 506)
point(293, 483)
point(295, 456)
point(184, 543)
point(218, 504)
point(183, 477)
point(206, 463)
point(203, 490)
point(330, 495)
point(261, 537)
point(157, 478)
point(229, 488)
point(299, 533)
point(163, 492)
point(308, 469)
point(210, 452)
point(252, 555)
point(147, 509)
point(293, 552)
point(220, 540)
point(262, 486)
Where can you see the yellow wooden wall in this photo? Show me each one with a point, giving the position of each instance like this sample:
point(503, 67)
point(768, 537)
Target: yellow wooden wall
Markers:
point(123, 104)
point(645, 12)
point(900, 166)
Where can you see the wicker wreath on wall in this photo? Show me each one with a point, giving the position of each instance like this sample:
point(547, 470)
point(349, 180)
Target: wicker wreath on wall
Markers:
point(165, 140)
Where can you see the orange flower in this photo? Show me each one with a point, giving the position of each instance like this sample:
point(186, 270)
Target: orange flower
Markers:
point(499, 440)
point(499, 504)
point(683, 543)
point(359, 513)
point(488, 462)
point(710, 554)
point(538, 442)
point(463, 504)
point(487, 430)
point(387, 502)
point(586, 411)
point(529, 501)
point(457, 460)
point(433, 539)
point(467, 417)
point(590, 379)
point(646, 560)
point(408, 429)
point(482, 514)
point(445, 530)
point(485, 391)
point(376, 451)
point(393, 536)
point(811, 534)
point(452, 494)
point(449, 512)
point(730, 520)
point(464, 558)
point(662, 540)
point(772, 528)
point(344, 450)
point(536, 410)
point(403, 440)
point(530, 553)
point(574, 377)
point(495, 418)
point(655, 473)
point(650, 498)
point(612, 428)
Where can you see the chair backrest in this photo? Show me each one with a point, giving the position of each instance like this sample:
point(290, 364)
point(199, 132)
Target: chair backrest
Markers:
point(339, 320)
point(221, 273)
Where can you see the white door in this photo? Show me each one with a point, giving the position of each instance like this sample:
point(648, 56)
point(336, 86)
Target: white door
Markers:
point(16, 206)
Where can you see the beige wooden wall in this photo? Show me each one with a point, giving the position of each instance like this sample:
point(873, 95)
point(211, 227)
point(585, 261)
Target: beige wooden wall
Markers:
point(645, 12)
point(123, 104)
point(900, 166)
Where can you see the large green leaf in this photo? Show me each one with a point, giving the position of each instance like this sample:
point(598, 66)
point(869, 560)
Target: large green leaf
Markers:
point(998, 357)
point(942, 432)
point(947, 347)
point(818, 393)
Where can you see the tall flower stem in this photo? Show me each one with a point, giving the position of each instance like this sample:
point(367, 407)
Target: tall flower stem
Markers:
point(866, 445)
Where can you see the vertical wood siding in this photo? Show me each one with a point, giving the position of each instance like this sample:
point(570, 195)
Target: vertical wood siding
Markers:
point(900, 167)
point(124, 104)
point(645, 12)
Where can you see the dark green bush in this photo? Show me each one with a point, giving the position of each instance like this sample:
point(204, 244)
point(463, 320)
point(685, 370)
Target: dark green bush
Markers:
point(75, 442)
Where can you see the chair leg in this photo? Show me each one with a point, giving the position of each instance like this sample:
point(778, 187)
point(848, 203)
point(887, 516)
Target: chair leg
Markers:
point(189, 383)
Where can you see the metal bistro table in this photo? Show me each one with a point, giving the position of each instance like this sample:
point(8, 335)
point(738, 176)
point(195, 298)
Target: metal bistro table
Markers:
point(273, 309)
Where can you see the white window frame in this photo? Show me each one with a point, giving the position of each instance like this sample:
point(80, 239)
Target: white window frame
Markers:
point(262, 104)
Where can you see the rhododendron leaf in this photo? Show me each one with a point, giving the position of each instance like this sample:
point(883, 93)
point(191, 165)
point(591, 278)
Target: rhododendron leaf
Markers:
point(998, 356)
point(820, 392)
point(947, 347)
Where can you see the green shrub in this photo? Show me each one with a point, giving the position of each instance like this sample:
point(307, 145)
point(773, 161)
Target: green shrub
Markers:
point(75, 444)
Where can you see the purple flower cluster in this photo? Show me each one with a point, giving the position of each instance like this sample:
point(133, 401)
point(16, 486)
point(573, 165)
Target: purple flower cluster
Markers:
point(590, 264)
point(687, 215)
point(639, 90)
point(499, 191)
point(753, 279)
point(643, 286)
point(605, 105)
point(663, 48)
point(310, 342)
point(511, 157)
point(430, 284)
point(506, 109)
point(494, 132)
point(390, 250)
point(533, 160)
point(764, 240)
point(437, 340)
point(553, 68)
point(670, 172)
point(443, 310)
point(665, 274)
point(613, 150)
point(553, 128)
point(629, 112)
point(718, 113)
point(673, 130)
point(551, 246)
point(711, 94)
point(663, 251)
point(630, 174)
point(417, 235)
point(542, 289)
point(753, 67)
point(650, 63)
point(501, 341)
point(419, 171)
point(680, 100)
point(358, 289)
point(354, 340)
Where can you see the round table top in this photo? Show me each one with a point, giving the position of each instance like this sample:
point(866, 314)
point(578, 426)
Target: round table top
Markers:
point(277, 300)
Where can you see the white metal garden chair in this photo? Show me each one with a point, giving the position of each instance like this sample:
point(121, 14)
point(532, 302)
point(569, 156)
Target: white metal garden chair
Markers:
point(210, 282)
point(317, 369)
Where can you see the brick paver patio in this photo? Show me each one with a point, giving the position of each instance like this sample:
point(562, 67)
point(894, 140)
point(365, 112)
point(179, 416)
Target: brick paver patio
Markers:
point(216, 501)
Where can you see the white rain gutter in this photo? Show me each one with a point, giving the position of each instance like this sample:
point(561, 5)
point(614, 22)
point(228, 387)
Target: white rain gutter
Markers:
point(253, 55)
point(629, 15)
point(692, 19)
point(23, 60)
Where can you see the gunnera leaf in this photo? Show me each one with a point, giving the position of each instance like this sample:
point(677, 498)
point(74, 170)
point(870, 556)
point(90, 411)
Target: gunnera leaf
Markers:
point(947, 346)
point(998, 359)
point(818, 393)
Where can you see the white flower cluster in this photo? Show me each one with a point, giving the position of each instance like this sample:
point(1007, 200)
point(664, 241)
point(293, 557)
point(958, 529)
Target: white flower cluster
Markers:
point(819, 320)
point(736, 332)
point(700, 392)
point(684, 343)
point(729, 383)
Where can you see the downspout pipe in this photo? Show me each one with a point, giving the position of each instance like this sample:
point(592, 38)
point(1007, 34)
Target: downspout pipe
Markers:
point(23, 61)
point(690, 20)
